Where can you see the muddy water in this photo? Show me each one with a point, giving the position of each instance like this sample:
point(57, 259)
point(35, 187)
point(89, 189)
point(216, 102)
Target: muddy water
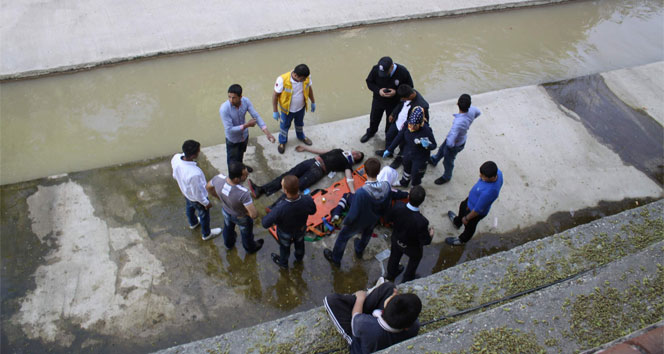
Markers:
point(138, 110)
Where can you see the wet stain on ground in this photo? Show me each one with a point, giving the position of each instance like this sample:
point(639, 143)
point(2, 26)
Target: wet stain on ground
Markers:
point(212, 290)
point(631, 133)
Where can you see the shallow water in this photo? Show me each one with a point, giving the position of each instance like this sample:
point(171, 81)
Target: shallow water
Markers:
point(144, 109)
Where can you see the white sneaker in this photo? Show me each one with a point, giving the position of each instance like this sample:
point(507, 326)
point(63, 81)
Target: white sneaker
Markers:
point(213, 232)
point(195, 226)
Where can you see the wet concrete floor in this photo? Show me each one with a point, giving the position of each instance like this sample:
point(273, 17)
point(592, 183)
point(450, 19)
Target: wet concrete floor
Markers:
point(142, 109)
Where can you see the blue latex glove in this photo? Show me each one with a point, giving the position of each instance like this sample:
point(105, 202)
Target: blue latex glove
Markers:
point(386, 153)
point(275, 115)
point(425, 142)
point(313, 107)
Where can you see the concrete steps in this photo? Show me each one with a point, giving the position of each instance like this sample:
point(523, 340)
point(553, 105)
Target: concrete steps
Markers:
point(621, 291)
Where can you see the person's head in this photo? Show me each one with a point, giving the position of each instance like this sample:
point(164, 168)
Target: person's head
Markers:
point(385, 67)
point(401, 310)
point(405, 91)
point(416, 119)
point(358, 156)
point(235, 94)
point(489, 171)
point(300, 73)
point(416, 196)
point(372, 167)
point(237, 172)
point(464, 102)
point(191, 148)
point(291, 185)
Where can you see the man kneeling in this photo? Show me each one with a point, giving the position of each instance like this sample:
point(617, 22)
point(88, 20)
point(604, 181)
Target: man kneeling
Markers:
point(375, 320)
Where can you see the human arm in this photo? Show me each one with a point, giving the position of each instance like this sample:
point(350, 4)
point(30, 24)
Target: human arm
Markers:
point(371, 80)
point(431, 145)
point(211, 191)
point(349, 180)
point(397, 140)
point(360, 296)
point(251, 210)
point(312, 99)
point(200, 192)
point(473, 214)
point(426, 234)
point(275, 100)
point(227, 120)
point(355, 207)
point(271, 217)
point(301, 148)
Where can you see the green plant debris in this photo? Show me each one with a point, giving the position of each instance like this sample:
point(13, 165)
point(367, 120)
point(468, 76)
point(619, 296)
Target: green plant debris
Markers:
point(505, 340)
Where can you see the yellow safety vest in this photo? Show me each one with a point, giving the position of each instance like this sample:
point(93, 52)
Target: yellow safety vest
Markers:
point(287, 93)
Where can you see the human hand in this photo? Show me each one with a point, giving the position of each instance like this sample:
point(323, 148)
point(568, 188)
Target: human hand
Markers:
point(360, 294)
point(431, 232)
point(271, 138)
point(464, 220)
point(299, 148)
point(386, 153)
point(383, 92)
point(390, 92)
point(275, 115)
point(209, 205)
point(313, 107)
point(425, 142)
point(390, 118)
point(250, 123)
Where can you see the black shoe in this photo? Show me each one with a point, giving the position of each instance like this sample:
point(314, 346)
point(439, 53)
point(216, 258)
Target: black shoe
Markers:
point(453, 241)
point(249, 168)
point(276, 259)
point(255, 190)
point(452, 216)
point(328, 255)
point(430, 161)
point(259, 245)
point(397, 162)
point(441, 180)
point(380, 152)
point(366, 137)
point(404, 182)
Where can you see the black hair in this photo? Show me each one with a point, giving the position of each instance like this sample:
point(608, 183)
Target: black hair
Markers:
point(404, 90)
point(236, 89)
point(235, 169)
point(372, 167)
point(302, 70)
point(464, 102)
point(416, 196)
point(402, 311)
point(489, 169)
point(361, 157)
point(190, 148)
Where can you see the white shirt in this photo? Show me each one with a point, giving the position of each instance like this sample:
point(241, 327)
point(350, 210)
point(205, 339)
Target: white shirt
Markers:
point(190, 178)
point(403, 114)
point(297, 99)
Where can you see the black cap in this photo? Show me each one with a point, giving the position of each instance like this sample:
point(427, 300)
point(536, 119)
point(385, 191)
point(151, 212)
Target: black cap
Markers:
point(384, 65)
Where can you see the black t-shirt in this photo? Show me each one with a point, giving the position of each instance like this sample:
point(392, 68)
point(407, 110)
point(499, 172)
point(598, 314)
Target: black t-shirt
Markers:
point(335, 161)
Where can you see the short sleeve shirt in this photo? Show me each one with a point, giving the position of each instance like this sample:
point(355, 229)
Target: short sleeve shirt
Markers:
point(297, 100)
point(234, 198)
point(336, 161)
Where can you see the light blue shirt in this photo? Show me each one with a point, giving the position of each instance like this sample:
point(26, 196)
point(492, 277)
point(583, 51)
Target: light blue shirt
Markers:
point(462, 121)
point(233, 117)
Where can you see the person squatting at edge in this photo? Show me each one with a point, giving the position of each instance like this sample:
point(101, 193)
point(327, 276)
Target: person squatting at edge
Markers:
point(419, 140)
point(375, 319)
point(371, 201)
point(477, 205)
point(292, 90)
point(236, 206)
point(191, 181)
point(456, 138)
point(236, 128)
point(383, 80)
point(312, 170)
point(290, 215)
point(410, 233)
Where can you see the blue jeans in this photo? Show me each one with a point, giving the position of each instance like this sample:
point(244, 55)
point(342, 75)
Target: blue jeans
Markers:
point(285, 123)
point(235, 151)
point(448, 155)
point(193, 208)
point(346, 233)
point(285, 241)
point(246, 225)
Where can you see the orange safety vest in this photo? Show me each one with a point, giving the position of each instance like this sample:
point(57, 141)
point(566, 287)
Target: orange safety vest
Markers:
point(287, 93)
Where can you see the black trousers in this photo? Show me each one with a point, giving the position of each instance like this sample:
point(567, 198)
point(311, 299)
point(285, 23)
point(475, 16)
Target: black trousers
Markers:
point(307, 171)
point(469, 230)
point(414, 257)
point(340, 307)
point(378, 107)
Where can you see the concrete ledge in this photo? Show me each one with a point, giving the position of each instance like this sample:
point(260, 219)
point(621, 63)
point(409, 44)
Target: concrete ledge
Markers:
point(61, 36)
point(629, 244)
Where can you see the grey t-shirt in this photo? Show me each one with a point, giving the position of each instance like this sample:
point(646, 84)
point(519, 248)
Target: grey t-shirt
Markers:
point(234, 198)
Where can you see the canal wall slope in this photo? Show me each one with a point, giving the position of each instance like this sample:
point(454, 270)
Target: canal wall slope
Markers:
point(39, 38)
point(610, 276)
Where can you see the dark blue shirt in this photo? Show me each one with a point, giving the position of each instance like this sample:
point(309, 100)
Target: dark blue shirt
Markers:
point(291, 216)
point(413, 150)
point(483, 194)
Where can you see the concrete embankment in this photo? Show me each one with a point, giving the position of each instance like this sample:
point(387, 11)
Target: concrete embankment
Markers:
point(40, 38)
point(623, 293)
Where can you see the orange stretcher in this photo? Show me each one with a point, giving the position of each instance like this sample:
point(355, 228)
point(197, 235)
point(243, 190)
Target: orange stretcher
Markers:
point(326, 200)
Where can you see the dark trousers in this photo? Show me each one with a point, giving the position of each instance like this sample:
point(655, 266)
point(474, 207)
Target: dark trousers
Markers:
point(306, 171)
point(285, 241)
point(192, 209)
point(340, 307)
point(346, 233)
point(246, 225)
point(414, 169)
point(379, 107)
point(235, 151)
point(414, 257)
point(469, 230)
point(390, 135)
